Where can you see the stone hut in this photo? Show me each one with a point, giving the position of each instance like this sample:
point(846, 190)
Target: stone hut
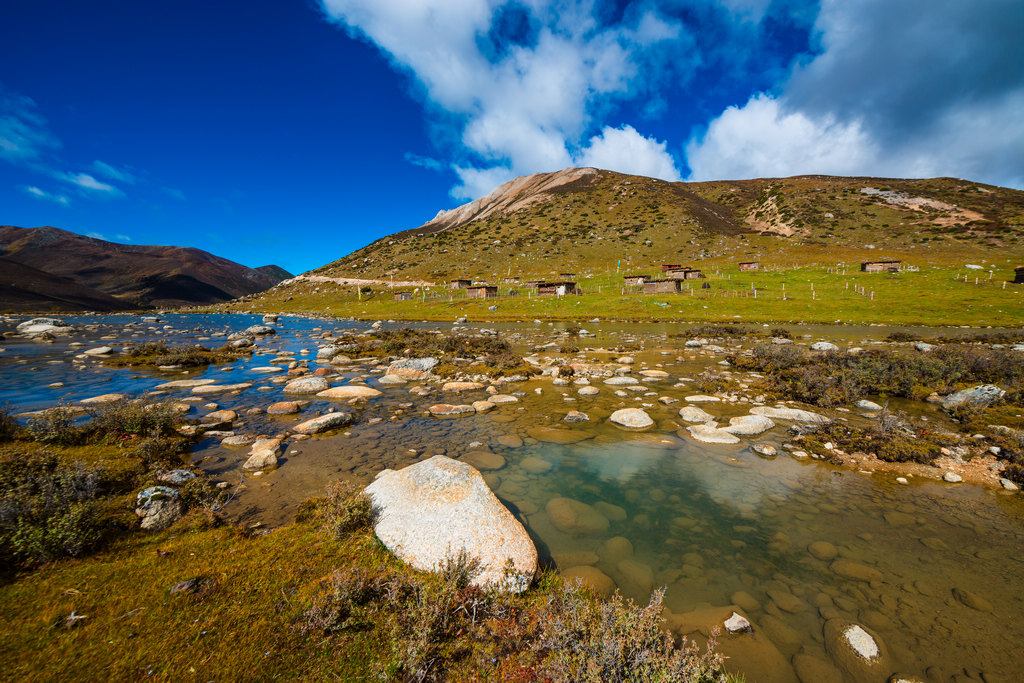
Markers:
point(567, 276)
point(460, 284)
point(403, 296)
point(880, 266)
point(685, 273)
point(635, 280)
point(1018, 273)
point(482, 292)
point(666, 286)
point(511, 280)
point(671, 266)
point(558, 288)
point(750, 265)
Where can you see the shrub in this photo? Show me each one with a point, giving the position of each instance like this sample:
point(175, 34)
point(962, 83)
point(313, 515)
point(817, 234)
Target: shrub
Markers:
point(346, 509)
point(900, 336)
point(159, 353)
point(615, 641)
point(9, 427)
point(47, 509)
point(568, 348)
point(56, 426)
point(780, 332)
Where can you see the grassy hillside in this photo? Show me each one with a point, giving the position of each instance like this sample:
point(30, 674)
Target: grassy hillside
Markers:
point(803, 230)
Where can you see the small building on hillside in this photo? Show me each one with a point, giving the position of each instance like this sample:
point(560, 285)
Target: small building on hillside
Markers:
point(567, 276)
point(403, 296)
point(482, 292)
point(511, 280)
point(671, 266)
point(880, 267)
point(559, 288)
point(635, 280)
point(750, 265)
point(663, 286)
point(1018, 273)
point(460, 284)
point(684, 274)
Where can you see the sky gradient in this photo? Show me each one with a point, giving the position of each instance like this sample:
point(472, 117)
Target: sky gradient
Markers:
point(293, 132)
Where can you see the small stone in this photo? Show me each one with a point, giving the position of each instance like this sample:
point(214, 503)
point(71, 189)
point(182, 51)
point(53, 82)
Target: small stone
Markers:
point(323, 423)
point(765, 449)
point(446, 409)
point(631, 418)
point(576, 416)
point(737, 624)
point(952, 477)
point(1008, 485)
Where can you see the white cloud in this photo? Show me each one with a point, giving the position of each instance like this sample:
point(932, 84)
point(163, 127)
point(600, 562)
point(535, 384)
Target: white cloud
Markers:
point(900, 89)
point(43, 194)
point(24, 136)
point(108, 171)
point(174, 192)
point(89, 184)
point(519, 82)
point(627, 151)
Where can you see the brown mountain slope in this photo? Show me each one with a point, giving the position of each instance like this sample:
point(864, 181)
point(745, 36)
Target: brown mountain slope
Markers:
point(144, 275)
point(23, 288)
point(588, 220)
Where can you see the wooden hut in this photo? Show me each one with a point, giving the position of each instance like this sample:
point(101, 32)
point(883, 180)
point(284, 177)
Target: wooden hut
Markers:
point(567, 276)
point(482, 292)
point(750, 265)
point(511, 280)
point(684, 273)
point(460, 284)
point(403, 296)
point(558, 288)
point(670, 266)
point(663, 286)
point(880, 267)
point(634, 280)
point(1018, 273)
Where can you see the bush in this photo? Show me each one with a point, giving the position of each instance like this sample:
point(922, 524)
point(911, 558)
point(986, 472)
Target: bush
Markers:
point(47, 509)
point(159, 353)
point(346, 509)
point(126, 419)
point(56, 426)
point(9, 427)
point(902, 337)
point(616, 641)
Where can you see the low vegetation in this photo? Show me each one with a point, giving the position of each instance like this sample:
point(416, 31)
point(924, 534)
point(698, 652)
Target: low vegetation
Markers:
point(157, 354)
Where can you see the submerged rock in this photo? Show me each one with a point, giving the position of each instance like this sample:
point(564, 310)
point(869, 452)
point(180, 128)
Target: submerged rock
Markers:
point(749, 425)
point(709, 433)
point(573, 517)
point(445, 409)
point(430, 512)
point(591, 577)
point(856, 651)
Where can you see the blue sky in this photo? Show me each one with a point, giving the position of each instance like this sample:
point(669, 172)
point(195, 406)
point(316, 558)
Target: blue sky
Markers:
point(294, 131)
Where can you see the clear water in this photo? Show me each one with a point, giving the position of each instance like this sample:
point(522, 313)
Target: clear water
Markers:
point(718, 526)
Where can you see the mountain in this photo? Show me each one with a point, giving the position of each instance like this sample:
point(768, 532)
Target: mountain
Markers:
point(23, 288)
point(137, 275)
point(587, 220)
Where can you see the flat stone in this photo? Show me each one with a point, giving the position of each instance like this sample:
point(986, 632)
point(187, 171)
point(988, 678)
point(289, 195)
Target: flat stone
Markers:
point(461, 386)
point(413, 368)
point(952, 477)
point(867, 405)
point(736, 624)
point(263, 454)
point(498, 399)
point(238, 440)
point(185, 384)
point(695, 414)
point(621, 381)
point(794, 414)
point(323, 423)
point(446, 409)
point(102, 399)
point(702, 398)
point(510, 441)
point(307, 385)
point(220, 388)
point(555, 435)
point(283, 408)
point(823, 550)
point(972, 600)
point(980, 395)
point(749, 425)
point(432, 511)
point(484, 460)
point(576, 416)
point(631, 418)
point(848, 569)
point(482, 406)
point(654, 374)
point(588, 391)
point(824, 346)
point(709, 433)
point(392, 379)
point(765, 449)
point(348, 392)
point(590, 577)
point(573, 517)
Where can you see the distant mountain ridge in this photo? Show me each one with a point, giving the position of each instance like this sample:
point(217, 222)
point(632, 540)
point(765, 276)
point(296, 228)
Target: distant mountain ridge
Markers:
point(135, 276)
point(591, 220)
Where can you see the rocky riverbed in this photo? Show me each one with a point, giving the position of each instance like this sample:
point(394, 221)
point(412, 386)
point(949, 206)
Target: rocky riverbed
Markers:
point(628, 468)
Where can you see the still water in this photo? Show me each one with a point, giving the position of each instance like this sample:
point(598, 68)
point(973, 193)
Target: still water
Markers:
point(932, 570)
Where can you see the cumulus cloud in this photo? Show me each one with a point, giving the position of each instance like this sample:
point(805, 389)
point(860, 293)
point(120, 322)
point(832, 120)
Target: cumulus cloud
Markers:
point(627, 151)
point(48, 196)
point(519, 82)
point(908, 88)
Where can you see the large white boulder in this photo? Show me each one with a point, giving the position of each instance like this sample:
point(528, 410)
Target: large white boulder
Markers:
point(631, 418)
point(430, 512)
point(794, 414)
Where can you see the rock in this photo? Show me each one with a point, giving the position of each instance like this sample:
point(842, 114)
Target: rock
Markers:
point(748, 425)
point(793, 414)
point(709, 433)
point(824, 346)
point(535, 465)
point(176, 477)
point(555, 435)
point(413, 368)
point(811, 669)
point(259, 331)
point(855, 651)
point(576, 416)
point(307, 385)
point(591, 577)
point(446, 409)
point(982, 394)
point(952, 477)
point(695, 414)
point(865, 404)
point(702, 398)
point(158, 506)
point(823, 550)
point(461, 386)
point(621, 381)
point(736, 624)
point(588, 391)
point(42, 324)
point(498, 399)
point(765, 449)
point(1008, 485)
point(631, 418)
point(349, 391)
point(972, 600)
point(694, 344)
point(510, 441)
point(392, 379)
point(323, 423)
point(573, 517)
point(99, 351)
point(430, 512)
point(786, 601)
point(624, 360)
point(484, 460)
point(848, 569)
point(185, 384)
point(654, 374)
point(220, 388)
point(924, 347)
point(263, 454)
point(220, 416)
point(238, 440)
point(636, 576)
point(483, 406)
point(102, 400)
point(283, 408)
